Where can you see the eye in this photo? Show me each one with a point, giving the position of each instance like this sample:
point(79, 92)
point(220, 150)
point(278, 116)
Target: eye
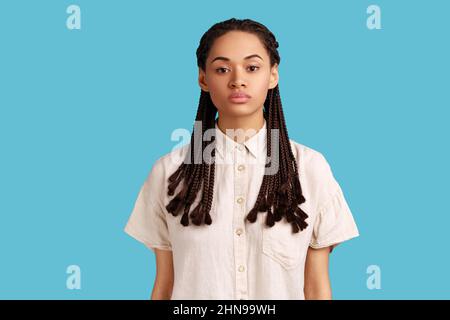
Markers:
point(254, 67)
point(223, 70)
point(219, 70)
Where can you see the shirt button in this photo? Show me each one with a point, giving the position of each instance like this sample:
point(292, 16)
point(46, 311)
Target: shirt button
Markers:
point(241, 268)
point(239, 231)
point(240, 200)
point(240, 147)
point(241, 167)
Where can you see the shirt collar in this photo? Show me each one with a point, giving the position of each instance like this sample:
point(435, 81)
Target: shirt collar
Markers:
point(255, 145)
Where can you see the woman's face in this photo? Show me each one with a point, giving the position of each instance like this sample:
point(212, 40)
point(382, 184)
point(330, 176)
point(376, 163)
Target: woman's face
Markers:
point(238, 62)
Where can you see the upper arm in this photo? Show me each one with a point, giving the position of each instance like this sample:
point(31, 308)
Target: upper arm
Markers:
point(317, 282)
point(164, 275)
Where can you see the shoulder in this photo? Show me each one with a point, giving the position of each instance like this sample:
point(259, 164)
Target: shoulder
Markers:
point(314, 169)
point(165, 165)
point(156, 182)
point(170, 161)
point(313, 161)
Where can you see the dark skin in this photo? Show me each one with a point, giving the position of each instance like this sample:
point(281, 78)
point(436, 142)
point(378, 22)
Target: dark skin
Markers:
point(238, 61)
point(255, 77)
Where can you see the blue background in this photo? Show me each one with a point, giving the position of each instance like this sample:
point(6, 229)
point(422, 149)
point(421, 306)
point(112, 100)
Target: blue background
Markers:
point(85, 113)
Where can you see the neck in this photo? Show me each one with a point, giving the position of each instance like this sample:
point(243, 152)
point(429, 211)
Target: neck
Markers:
point(253, 123)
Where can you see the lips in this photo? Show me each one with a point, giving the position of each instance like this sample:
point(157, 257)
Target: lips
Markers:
point(239, 97)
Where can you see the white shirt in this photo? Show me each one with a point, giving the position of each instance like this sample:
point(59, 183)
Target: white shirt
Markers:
point(233, 258)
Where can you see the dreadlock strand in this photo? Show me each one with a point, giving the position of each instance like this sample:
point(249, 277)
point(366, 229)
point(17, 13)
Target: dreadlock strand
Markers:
point(280, 193)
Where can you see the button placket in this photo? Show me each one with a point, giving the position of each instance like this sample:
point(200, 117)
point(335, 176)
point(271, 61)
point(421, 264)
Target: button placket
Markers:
point(238, 221)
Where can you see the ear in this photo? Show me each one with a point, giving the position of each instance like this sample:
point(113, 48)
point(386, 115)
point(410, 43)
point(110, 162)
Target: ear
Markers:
point(273, 82)
point(202, 80)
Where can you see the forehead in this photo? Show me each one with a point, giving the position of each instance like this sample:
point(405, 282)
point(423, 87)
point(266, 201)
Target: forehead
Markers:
point(236, 45)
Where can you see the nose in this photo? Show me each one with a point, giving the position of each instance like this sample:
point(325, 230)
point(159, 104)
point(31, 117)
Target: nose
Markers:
point(237, 81)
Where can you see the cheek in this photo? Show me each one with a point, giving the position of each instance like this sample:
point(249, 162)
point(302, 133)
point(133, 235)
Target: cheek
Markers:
point(218, 93)
point(260, 88)
point(264, 81)
point(216, 84)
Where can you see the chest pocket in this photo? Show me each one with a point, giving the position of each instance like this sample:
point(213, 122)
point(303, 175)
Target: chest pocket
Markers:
point(281, 244)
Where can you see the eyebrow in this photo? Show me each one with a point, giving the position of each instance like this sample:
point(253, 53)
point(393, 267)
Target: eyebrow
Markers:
point(246, 58)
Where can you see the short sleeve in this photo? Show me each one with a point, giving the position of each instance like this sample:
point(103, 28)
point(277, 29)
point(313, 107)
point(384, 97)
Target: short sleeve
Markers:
point(147, 222)
point(334, 222)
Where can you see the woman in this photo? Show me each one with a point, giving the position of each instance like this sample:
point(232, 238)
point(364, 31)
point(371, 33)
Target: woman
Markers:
point(247, 213)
